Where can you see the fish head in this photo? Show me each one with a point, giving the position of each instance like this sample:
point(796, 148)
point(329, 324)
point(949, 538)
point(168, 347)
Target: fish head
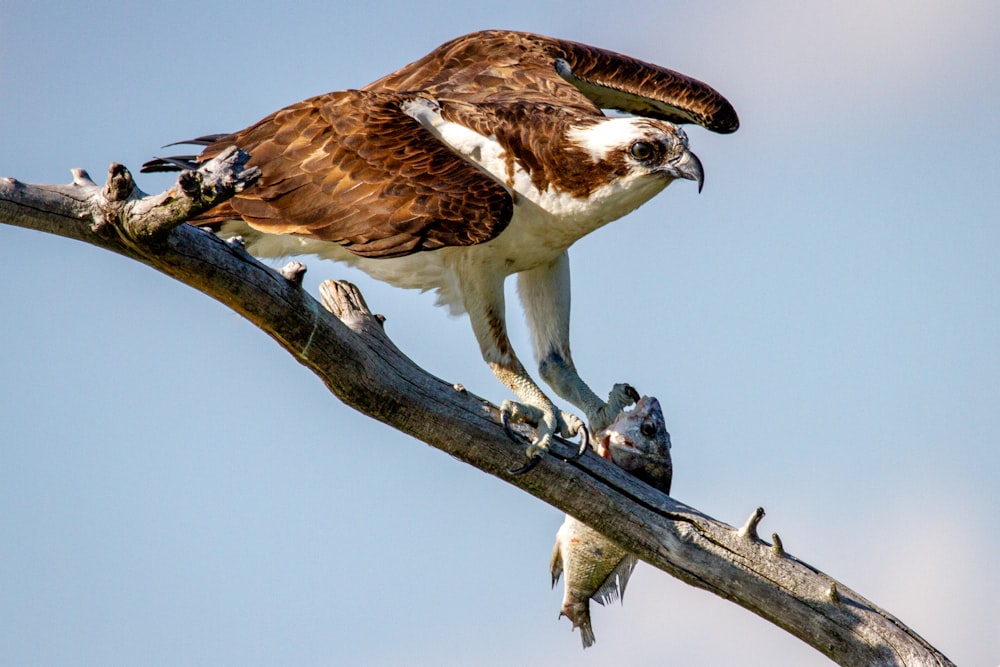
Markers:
point(638, 441)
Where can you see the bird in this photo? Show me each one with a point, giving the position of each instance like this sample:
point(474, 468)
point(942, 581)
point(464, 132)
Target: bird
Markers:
point(488, 157)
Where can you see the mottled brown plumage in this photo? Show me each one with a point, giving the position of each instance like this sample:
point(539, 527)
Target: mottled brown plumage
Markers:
point(351, 168)
point(501, 65)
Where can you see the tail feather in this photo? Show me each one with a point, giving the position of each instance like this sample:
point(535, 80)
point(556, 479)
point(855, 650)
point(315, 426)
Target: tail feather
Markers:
point(180, 162)
point(172, 163)
point(203, 140)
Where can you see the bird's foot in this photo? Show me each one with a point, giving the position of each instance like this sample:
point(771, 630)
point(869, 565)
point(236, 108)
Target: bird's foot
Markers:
point(621, 396)
point(548, 421)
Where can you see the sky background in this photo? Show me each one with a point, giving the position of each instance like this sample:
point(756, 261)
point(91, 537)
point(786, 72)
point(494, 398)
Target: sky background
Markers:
point(820, 325)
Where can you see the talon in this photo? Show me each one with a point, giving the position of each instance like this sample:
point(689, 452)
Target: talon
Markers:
point(527, 467)
point(505, 422)
point(632, 393)
point(548, 421)
point(584, 442)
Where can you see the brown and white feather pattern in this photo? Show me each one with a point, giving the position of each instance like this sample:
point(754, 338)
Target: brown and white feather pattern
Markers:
point(536, 138)
point(500, 65)
point(351, 168)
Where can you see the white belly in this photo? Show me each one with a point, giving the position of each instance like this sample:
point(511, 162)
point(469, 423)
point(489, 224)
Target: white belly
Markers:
point(541, 229)
point(523, 245)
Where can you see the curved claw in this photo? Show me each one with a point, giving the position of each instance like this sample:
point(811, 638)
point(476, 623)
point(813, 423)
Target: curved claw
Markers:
point(505, 422)
point(584, 442)
point(632, 393)
point(533, 461)
point(527, 467)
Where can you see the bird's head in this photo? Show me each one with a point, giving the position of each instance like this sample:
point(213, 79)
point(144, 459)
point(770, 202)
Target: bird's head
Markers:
point(639, 147)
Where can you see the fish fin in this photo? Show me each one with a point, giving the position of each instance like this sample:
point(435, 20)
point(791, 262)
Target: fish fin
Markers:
point(556, 564)
point(579, 614)
point(613, 588)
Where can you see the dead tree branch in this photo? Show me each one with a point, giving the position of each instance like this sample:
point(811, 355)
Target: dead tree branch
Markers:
point(344, 344)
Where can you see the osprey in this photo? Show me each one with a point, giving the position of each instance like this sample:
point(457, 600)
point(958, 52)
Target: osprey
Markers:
point(489, 156)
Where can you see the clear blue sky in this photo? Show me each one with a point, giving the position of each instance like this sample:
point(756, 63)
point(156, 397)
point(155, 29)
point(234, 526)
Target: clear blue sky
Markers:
point(821, 325)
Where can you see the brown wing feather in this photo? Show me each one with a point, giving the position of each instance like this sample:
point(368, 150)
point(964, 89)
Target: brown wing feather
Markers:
point(352, 168)
point(498, 65)
point(614, 81)
point(494, 66)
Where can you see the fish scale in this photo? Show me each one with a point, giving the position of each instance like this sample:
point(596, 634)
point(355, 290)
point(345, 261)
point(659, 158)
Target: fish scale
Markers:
point(595, 567)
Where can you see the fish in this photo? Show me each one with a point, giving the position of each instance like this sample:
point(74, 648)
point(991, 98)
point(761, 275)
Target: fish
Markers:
point(638, 442)
point(595, 567)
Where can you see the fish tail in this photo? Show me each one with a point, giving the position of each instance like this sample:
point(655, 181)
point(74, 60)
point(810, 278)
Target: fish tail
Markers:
point(587, 634)
point(579, 614)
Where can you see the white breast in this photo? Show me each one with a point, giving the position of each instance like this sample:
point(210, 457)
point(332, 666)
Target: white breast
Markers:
point(544, 223)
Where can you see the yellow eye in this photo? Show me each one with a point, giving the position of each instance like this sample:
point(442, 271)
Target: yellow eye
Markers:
point(640, 150)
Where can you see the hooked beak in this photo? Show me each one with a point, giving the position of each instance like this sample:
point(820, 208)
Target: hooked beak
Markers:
point(687, 165)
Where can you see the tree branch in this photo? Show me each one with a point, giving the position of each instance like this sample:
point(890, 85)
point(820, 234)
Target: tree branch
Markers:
point(345, 346)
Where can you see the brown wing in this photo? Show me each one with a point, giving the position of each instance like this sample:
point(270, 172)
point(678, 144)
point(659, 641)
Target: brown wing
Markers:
point(499, 65)
point(352, 168)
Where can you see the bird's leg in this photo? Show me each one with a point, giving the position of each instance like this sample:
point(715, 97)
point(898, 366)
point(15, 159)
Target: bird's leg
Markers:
point(485, 305)
point(536, 409)
point(545, 294)
point(559, 372)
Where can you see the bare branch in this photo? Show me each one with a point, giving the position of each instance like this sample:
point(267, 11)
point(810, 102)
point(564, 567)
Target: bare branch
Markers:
point(776, 546)
point(749, 529)
point(346, 346)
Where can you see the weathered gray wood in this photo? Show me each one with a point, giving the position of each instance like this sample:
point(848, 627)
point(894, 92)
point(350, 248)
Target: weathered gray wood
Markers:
point(345, 345)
